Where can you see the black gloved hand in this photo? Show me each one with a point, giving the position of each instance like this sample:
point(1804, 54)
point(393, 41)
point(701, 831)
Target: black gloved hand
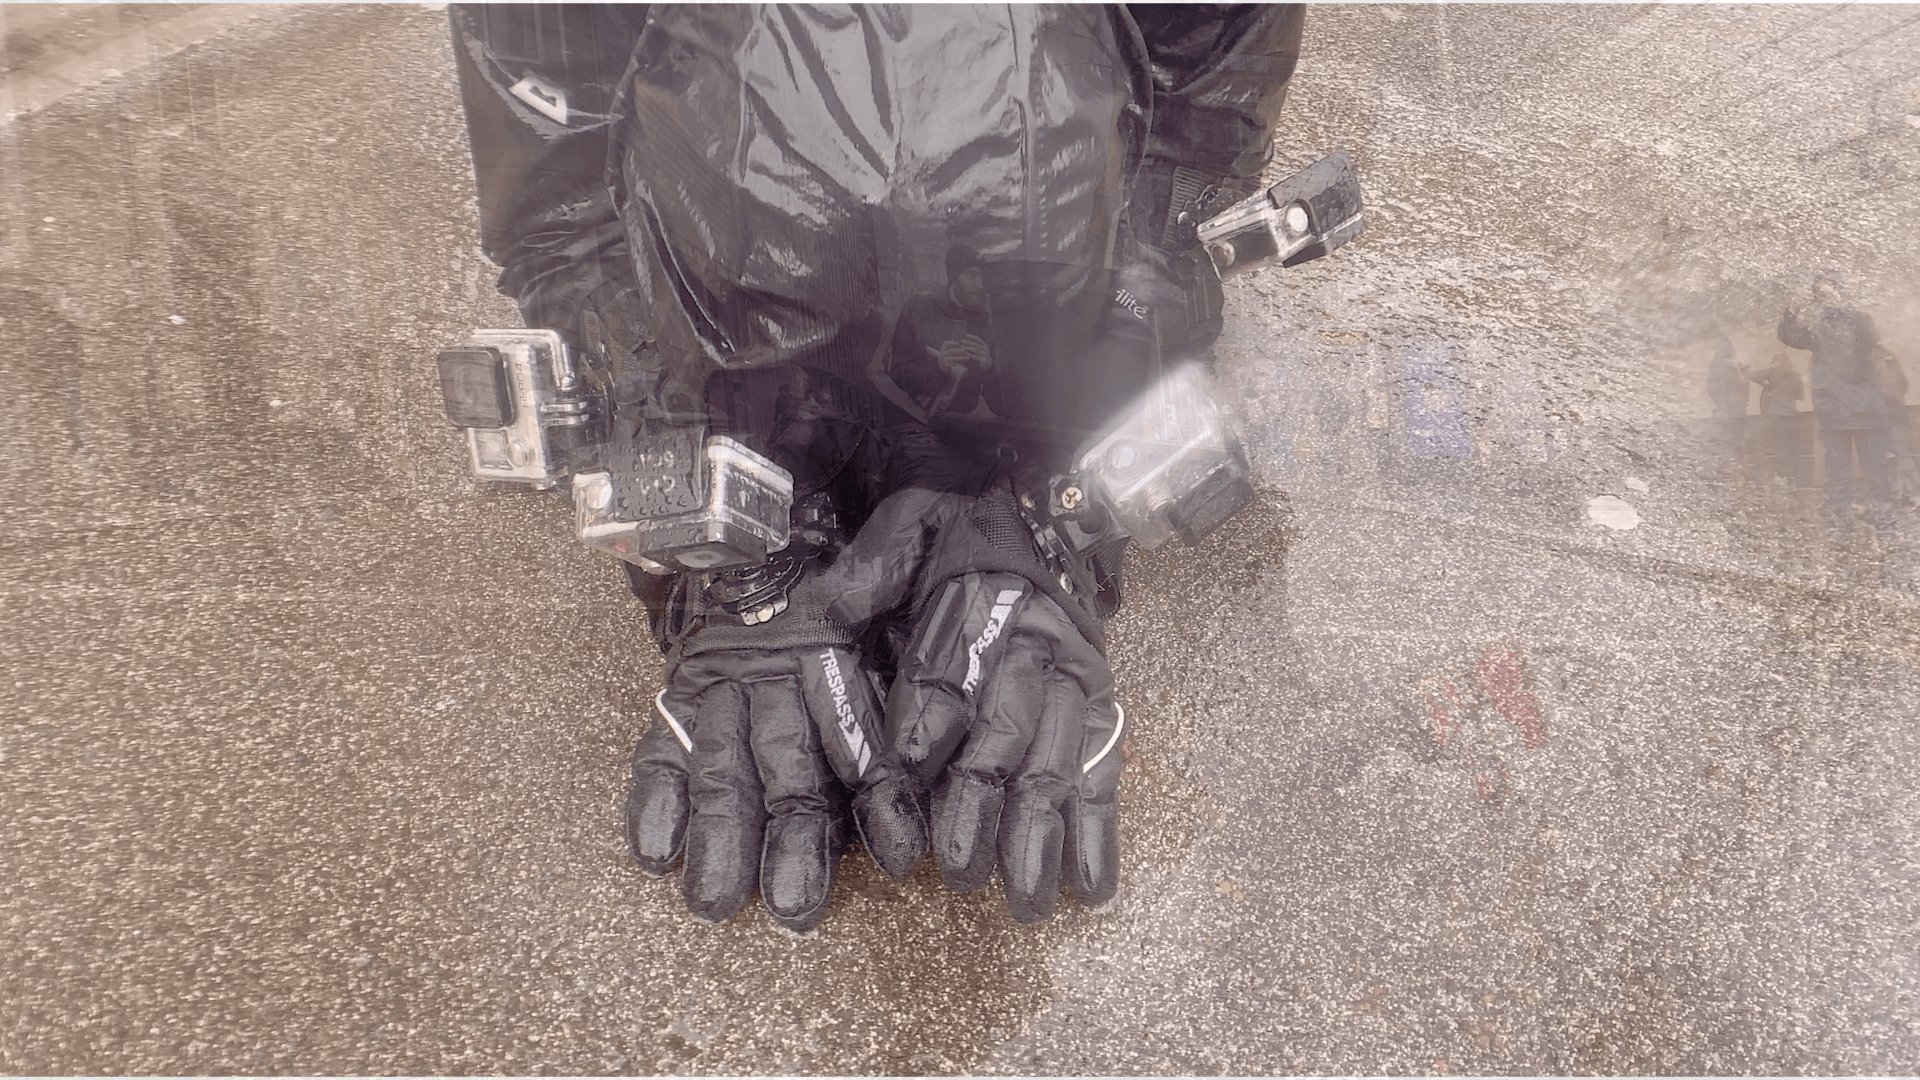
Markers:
point(763, 732)
point(1002, 711)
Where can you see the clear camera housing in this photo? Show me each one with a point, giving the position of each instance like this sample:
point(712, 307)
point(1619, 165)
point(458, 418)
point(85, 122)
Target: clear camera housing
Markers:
point(1171, 466)
point(735, 510)
point(508, 390)
point(1298, 219)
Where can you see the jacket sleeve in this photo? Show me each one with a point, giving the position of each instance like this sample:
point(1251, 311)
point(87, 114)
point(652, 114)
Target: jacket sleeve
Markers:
point(537, 82)
point(1220, 75)
point(1793, 333)
point(1866, 337)
point(1865, 332)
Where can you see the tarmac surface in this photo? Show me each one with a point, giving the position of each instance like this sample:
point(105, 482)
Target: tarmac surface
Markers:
point(1518, 729)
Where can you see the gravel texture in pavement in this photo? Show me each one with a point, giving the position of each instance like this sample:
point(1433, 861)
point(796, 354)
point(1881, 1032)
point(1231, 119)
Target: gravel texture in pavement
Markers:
point(1519, 727)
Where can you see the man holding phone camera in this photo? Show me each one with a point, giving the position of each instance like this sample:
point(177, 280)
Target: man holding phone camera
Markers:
point(1847, 402)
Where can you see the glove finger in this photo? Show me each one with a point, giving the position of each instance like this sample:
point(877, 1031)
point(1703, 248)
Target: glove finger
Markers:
point(892, 815)
point(1093, 811)
point(844, 702)
point(805, 803)
point(966, 809)
point(955, 656)
point(724, 833)
point(1032, 828)
point(657, 806)
point(926, 722)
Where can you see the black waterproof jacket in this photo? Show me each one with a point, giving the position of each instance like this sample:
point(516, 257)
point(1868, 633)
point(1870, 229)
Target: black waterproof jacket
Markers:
point(689, 189)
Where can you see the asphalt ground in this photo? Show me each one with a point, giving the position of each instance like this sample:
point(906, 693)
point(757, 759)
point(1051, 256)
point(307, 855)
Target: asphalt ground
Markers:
point(311, 748)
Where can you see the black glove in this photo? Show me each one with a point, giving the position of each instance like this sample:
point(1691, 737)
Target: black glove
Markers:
point(763, 732)
point(1002, 711)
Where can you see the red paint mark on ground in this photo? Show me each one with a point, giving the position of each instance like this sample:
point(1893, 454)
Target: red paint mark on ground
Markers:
point(1505, 683)
point(1444, 719)
point(1440, 724)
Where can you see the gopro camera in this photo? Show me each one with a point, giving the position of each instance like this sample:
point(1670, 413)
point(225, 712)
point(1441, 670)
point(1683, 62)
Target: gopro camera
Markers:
point(1171, 467)
point(673, 502)
point(663, 497)
point(511, 391)
point(1300, 218)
